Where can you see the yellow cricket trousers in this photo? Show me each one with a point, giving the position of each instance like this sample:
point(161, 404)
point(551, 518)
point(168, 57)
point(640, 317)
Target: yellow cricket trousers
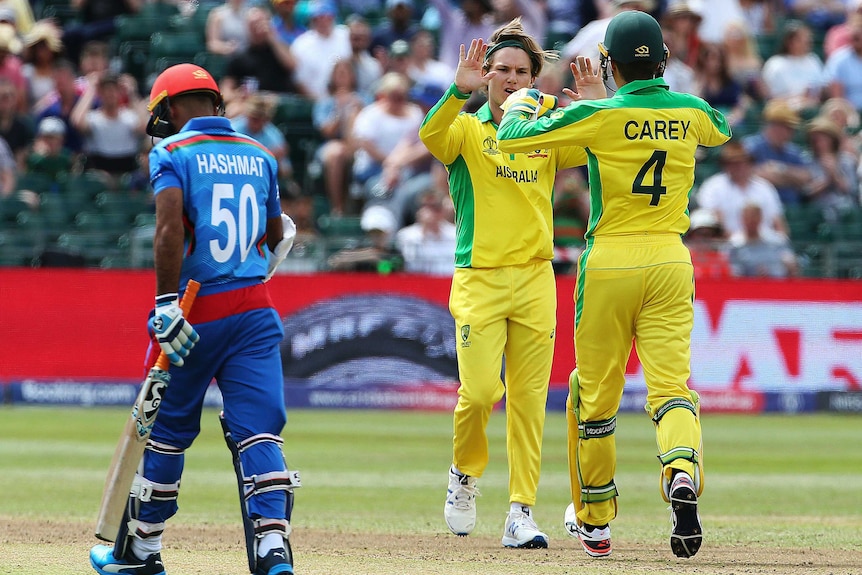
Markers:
point(641, 288)
point(508, 311)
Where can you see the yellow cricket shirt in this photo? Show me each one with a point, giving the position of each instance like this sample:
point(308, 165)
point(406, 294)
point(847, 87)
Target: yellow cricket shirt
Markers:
point(502, 201)
point(640, 148)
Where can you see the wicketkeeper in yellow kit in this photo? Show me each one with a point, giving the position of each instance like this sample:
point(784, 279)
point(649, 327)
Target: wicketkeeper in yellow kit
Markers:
point(635, 278)
point(503, 295)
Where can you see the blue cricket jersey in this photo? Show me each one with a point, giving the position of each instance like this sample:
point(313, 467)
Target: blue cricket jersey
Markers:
point(230, 188)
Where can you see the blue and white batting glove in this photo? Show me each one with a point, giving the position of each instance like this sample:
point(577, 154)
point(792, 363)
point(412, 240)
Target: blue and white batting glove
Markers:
point(175, 335)
point(530, 102)
point(283, 247)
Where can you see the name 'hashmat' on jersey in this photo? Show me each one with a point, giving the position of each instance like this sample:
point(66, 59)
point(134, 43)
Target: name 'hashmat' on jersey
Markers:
point(520, 176)
point(230, 164)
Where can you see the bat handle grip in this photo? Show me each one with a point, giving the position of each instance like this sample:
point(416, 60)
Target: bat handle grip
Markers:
point(189, 296)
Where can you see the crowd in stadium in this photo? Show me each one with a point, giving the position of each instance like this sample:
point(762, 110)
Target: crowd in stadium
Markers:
point(337, 90)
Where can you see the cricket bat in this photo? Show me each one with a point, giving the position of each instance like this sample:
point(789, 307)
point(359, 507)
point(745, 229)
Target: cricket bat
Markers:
point(133, 440)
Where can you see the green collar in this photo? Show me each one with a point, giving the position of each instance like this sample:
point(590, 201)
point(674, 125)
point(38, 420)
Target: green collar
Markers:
point(484, 113)
point(636, 85)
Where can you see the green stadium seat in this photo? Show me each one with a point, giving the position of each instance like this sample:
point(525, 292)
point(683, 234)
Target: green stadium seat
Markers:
point(35, 182)
point(195, 23)
point(848, 259)
point(340, 227)
point(119, 210)
point(119, 260)
point(812, 258)
point(307, 255)
point(767, 44)
point(139, 242)
point(144, 220)
point(215, 64)
point(847, 231)
point(158, 10)
point(138, 28)
point(174, 45)
point(55, 212)
point(803, 223)
point(321, 205)
point(17, 248)
point(87, 184)
point(557, 40)
point(60, 11)
point(134, 58)
point(92, 245)
point(292, 108)
point(89, 222)
point(10, 208)
point(293, 117)
point(165, 62)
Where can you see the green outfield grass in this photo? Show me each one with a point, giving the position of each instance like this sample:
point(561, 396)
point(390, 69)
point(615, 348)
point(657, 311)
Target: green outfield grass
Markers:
point(773, 482)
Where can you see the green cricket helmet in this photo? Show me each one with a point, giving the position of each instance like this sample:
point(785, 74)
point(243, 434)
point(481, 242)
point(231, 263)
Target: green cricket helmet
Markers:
point(634, 36)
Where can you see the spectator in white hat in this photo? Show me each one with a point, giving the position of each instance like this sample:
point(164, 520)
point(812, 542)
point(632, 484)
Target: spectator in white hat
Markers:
point(48, 155)
point(376, 252)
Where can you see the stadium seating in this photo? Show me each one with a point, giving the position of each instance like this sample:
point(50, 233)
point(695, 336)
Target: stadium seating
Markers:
point(16, 248)
point(36, 182)
point(848, 259)
point(10, 208)
point(307, 255)
point(82, 214)
point(55, 213)
point(61, 11)
point(293, 117)
point(215, 64)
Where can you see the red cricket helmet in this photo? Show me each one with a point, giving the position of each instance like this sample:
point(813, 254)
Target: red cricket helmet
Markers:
point(175, 80)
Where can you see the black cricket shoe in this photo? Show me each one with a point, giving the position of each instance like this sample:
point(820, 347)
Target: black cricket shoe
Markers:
point(687, 534)
point(278, 561)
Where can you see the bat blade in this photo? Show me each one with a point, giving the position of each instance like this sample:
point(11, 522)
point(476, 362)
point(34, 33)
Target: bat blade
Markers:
point(133, 439)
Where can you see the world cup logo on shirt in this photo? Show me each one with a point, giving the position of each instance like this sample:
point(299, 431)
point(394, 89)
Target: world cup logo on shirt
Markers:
point(489, 146)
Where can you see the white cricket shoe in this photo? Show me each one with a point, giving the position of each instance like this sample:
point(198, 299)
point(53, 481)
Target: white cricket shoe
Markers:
point(596, 541)
point(460, 509)
point(521, 531)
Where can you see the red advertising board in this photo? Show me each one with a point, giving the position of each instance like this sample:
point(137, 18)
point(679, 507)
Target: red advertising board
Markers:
point(749, 337)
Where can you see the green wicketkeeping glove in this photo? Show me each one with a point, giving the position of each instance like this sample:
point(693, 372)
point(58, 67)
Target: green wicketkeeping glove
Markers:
point(530, 102)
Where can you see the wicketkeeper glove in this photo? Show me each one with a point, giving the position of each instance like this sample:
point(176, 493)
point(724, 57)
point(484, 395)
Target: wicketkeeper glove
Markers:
point(175, 335)
point(530, 102)
point(283, 247)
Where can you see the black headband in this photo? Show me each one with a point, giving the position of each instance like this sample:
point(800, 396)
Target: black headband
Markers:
point(503, 44)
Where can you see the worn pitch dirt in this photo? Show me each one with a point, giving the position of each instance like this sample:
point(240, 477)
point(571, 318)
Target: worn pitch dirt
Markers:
point(60, 548)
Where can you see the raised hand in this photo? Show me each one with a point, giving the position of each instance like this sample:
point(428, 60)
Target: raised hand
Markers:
point(588, 84)
point(469, 75)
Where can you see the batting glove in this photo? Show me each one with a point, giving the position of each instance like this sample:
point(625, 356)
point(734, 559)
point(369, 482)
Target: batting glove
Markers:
point(283, 247)
point(529, 101)
point(175, 335)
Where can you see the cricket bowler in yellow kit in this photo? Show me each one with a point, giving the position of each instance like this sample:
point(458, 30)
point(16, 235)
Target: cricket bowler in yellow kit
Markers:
point(503, 295)
point(635, 278)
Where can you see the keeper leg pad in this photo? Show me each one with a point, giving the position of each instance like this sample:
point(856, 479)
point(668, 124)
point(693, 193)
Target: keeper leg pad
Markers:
point(592, 456)
point(678, 436)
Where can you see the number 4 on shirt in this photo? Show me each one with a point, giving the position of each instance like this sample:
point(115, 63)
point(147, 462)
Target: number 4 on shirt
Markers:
point(656, 190)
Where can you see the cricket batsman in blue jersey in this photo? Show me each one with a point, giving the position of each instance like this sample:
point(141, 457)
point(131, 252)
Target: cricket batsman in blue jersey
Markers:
point(218, 221)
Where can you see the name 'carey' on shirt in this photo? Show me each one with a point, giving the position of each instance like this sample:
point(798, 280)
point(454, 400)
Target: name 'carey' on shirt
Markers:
point(230, 164)
point(656, 129)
